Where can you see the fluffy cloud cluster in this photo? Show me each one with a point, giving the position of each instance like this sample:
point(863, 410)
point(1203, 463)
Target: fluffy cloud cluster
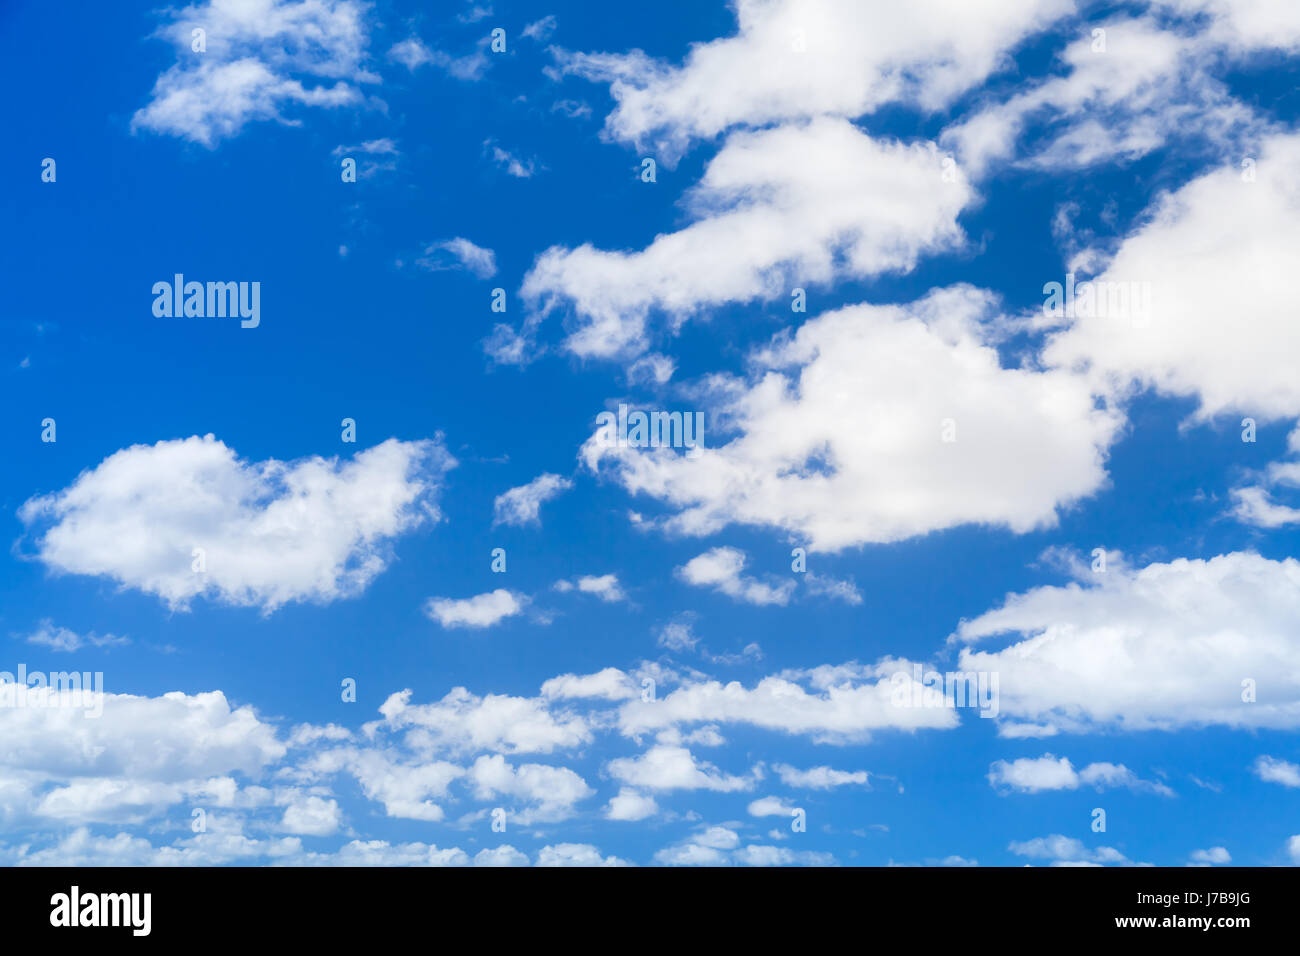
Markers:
point(1184, 644)
point(1214, 255)
point(1031, 775)
point(186, 518)
point(1058, 850)
point(795, 206)
point(721, 569)
point(877, 423)
point(138, 757)
point(796, 58)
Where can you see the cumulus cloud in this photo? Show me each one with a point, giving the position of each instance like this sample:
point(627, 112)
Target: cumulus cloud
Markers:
point(482, 610)
point(575, 854)
point(545, 794)
point(603, 586)
point(1215, 855)
point(842, 707)
point(872, 424)
point(665, 767)
point(1214, 256)
point(769, 807)
point(797, 58)
point(139, 756)
point(311, 816)
point(261, 60)
point(720, 568)
point(609, 684)
point(188, 518)
point(464, 722)
point(629, 804)
point(776, 209)
point(1061, 850)
point(1181, 644)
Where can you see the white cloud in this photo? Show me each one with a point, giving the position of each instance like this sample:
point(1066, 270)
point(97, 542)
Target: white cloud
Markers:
point(629, 804)
point(138, 757)
point(720, 846)
point(406, 789)
point(1253, 503)
point(459, 253)
point(383, 155)
point(770, 807)
point(776, 209)
point(759, 855)
point(462, 722)
point(664, 767)
point(844, 710)
point(841, 434)
point(547, 793)
point(482, 610)
point(1273, 770)
point(504, 855)
point(609, 684)
point(575, 854)
point(313, 816)
point(512, 164)
point(1214, 855)
point(1247, 24)
point(677, 635)
point(690, 854)
point(62, 639)
point(721, 568)
point(1067, 851)
point(1035, 774)
point(834, 588)
point(172, 738)
point(1167, 646)
point(271, 532)
point(383, 853)
point(820, 778)
point(604, 586)
point(540, 30)
point(1216, 254)
point(797, 58)
point(521, 505)
point(262, 58)
point(214, 848)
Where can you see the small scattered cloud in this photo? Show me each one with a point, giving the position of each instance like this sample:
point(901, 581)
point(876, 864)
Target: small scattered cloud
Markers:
point(521, 505)
point(62, 639)
point(459, 253)
point(480, 611)
point(720, 568)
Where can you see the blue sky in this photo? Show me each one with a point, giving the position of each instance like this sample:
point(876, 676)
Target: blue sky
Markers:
point(947, 453)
